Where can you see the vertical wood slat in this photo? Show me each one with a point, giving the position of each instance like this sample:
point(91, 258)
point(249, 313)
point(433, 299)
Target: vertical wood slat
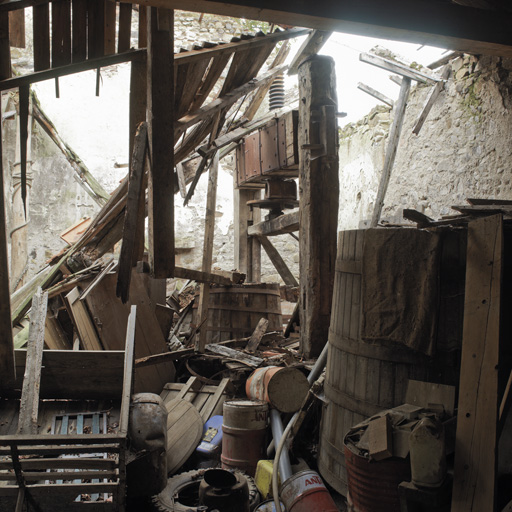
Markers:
point(475, 466)
point(160, 131)
point(143, 26)
point(79, 26)
point(5, 50)
point(7, 368)
point(125, 27)
point(17, 28)
point(41, 29)
point(110, 27)
point(61, 32)
point(95, 28)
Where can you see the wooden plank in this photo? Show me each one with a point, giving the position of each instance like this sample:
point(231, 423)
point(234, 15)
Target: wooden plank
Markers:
point(17, 28)
point(61, 463)
point(217, 277)
point(5, 51)
point(206, 266)
point(394, 138)
point(133, 214)
point(29, 404)
point(181, 180)
point(41, 35)
point(444, 60)
point(125, 27)
point(54, 336)
point(79, 30)
point(287, 223)
point(476, 440)
point(319, 199)
point(7, 369)
point(398, 68)
point(311, 46)
point(61, 32)
point(237, 355)
point(82, 320)
point(143, 26)
point(277, 261)
point(95, 28)
point(128, 370)
point(110, 27)
point(376, 94)
point(24, 107)
point(434, 94)
point(109, 60)
point(160, 132)
point(256, 336)
point(212, 403)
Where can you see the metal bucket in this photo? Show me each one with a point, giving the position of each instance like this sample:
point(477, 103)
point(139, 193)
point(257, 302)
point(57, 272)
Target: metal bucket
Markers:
point(305, 492)
point(244, 438)
point(283, 388)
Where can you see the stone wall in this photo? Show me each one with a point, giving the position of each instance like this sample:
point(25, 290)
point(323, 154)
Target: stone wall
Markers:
point(463, 150)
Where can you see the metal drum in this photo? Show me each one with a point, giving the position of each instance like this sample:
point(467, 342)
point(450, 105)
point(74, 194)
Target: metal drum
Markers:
point(224, 490)
point(305, 492)
point(244, 438)
point(268, 506)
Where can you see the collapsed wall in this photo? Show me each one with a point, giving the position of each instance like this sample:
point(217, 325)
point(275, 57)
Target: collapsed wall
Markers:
point(464, 149)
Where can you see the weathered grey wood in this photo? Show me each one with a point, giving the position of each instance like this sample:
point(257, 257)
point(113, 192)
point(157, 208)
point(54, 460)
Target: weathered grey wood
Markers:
point(444, 60)
point(29, 405)
point(7, 372)
point(277, 261)
point(476, 438)
point(209, 230)
point(376, 94)
point(128, 377)
point(211, 404)
point(311, 46)
point(181, 180)
point(398, 68)
point(247, 359)
point(319, 199)
point(394, 138)
point(160, 134)
point(256, 336)
point(82, 321)
point(240, 224)
point(287, 223)
point(217, 277)
point(436, 91)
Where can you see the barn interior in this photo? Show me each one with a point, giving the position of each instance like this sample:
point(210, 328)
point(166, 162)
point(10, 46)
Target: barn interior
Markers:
point(371, 379)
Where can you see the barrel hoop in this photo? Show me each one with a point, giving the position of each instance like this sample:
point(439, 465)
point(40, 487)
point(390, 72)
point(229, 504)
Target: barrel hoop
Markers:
point(391, 354)
point(349, 266)
point(243, 308)
point(336, 453)
point(350, 403)
point(241, 291)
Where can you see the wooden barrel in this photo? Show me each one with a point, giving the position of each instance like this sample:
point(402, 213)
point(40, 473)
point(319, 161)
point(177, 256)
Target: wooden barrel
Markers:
point(234, 311)
point(362, 378)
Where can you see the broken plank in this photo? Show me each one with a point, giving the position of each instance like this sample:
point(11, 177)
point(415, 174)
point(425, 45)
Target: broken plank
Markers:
point(256, 336)
point(160, 133)
point(476, 438)
point(287, 223)
point(311, 46)
point(444, 60)
point(484, 209)
point(218, 277)
point(415, 216)
point(29, 404)
point(181, 180)
point(277, 261)
point(380, 433)
point(128, 374)
point(82, 320)
point(376, 94)
point(133, 216)
point(436, 91)
point(480, 201)
point(17, 28)
point(231, 353)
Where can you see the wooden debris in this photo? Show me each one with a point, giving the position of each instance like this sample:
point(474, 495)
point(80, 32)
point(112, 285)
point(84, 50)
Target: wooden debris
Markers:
point(380, 438)
point(376, 94)
point(286, 223)
point(311, 46)
point(258, 333)
point(425, 393)
point(277, 261)
point(231, 353)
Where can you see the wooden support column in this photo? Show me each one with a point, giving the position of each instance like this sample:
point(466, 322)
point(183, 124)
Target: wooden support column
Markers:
point(209, 230)
point(160, 133)
point(7, 368)
point(474, 478)
point(319, 197)
point(138, 96)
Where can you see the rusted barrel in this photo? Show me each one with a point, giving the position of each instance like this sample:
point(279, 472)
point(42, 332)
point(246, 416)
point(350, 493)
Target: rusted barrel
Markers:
point(306, 492)
point(283, 388)
point(245, 425)
point(234, 311)
point(362, 378)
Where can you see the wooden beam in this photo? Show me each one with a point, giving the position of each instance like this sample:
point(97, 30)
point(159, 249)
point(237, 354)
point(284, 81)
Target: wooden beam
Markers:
point(259, 331)
point(376, 94)
point(41, 34)
point(287, 223)
point(29, 405)
point(319, 199)
point(434, 94)
point(277, 261)
point(128, 378)
point(444, 60)
point(7, 371)
point(5, 50)
point(217, 277)
point(209, 231)
point(440, 24)
point(394, 138)
point(160, 133)
point(474, 480)
point(311, 46)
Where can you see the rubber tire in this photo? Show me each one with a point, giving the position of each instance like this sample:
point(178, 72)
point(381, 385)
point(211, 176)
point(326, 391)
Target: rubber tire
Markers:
point(165, 501)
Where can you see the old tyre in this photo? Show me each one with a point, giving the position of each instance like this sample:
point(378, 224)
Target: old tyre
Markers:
point(181, 492)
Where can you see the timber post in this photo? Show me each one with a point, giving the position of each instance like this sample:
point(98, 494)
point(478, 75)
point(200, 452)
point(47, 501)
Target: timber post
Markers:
point(319, 197)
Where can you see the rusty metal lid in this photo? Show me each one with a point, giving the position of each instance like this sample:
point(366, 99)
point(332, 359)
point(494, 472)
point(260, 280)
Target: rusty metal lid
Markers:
point(147, 398)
